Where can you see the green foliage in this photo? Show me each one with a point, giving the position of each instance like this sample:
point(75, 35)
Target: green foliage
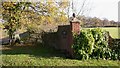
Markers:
point(115, 49)
point(83, 44)
point(101, 49)
point(92, 43)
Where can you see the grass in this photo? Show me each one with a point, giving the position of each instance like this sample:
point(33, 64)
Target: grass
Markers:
point(114, 31)
point(44, 56)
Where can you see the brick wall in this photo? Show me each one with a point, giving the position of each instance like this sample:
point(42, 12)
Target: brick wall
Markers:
point(63, 38)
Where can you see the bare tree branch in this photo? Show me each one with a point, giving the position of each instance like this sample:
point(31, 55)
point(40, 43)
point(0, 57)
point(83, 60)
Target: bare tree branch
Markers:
point(82, 7)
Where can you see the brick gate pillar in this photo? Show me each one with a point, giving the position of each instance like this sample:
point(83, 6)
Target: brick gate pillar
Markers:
point(75, 24)
point(75, 28)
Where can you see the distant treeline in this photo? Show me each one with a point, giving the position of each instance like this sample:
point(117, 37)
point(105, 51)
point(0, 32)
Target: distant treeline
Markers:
point(104, 26)
point(97, 22)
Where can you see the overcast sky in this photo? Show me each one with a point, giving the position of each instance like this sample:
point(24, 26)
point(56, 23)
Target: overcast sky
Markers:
point(102, 8)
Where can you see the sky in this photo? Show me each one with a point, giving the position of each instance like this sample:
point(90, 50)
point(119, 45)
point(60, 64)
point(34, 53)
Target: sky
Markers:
point(101, 8)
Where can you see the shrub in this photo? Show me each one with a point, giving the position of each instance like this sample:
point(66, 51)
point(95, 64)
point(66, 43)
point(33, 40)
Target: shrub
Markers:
point(91, 43)
point(115, 49)
point(83, 44)
point(101, 49)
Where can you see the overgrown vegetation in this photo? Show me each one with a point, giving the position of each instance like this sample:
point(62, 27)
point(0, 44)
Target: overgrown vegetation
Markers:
point(93, 44)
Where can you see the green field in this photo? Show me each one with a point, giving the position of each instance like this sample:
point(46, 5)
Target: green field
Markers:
point(114, 31)
point(42, 56)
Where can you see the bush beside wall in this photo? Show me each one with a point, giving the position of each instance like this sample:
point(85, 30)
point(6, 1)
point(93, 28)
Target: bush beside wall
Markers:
point(93, 44)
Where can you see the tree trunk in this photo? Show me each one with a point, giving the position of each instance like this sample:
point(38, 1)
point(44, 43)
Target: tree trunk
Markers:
point(11, 38)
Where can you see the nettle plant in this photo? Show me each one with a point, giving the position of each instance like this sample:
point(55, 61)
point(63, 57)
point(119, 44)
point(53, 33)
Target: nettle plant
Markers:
point(91, 43)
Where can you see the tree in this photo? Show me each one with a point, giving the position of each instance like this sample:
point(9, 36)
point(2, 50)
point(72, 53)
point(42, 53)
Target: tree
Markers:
point(105, 22)
point(30, 15)
point(113, 23)
point(11, 15)
point(96, 21)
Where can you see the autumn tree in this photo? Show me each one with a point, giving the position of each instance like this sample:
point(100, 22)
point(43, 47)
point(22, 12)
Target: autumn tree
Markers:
point(11, 14)
point(30, 15)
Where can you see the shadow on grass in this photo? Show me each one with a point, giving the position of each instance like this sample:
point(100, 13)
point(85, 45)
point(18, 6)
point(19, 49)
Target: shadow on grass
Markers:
point(36, 51)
